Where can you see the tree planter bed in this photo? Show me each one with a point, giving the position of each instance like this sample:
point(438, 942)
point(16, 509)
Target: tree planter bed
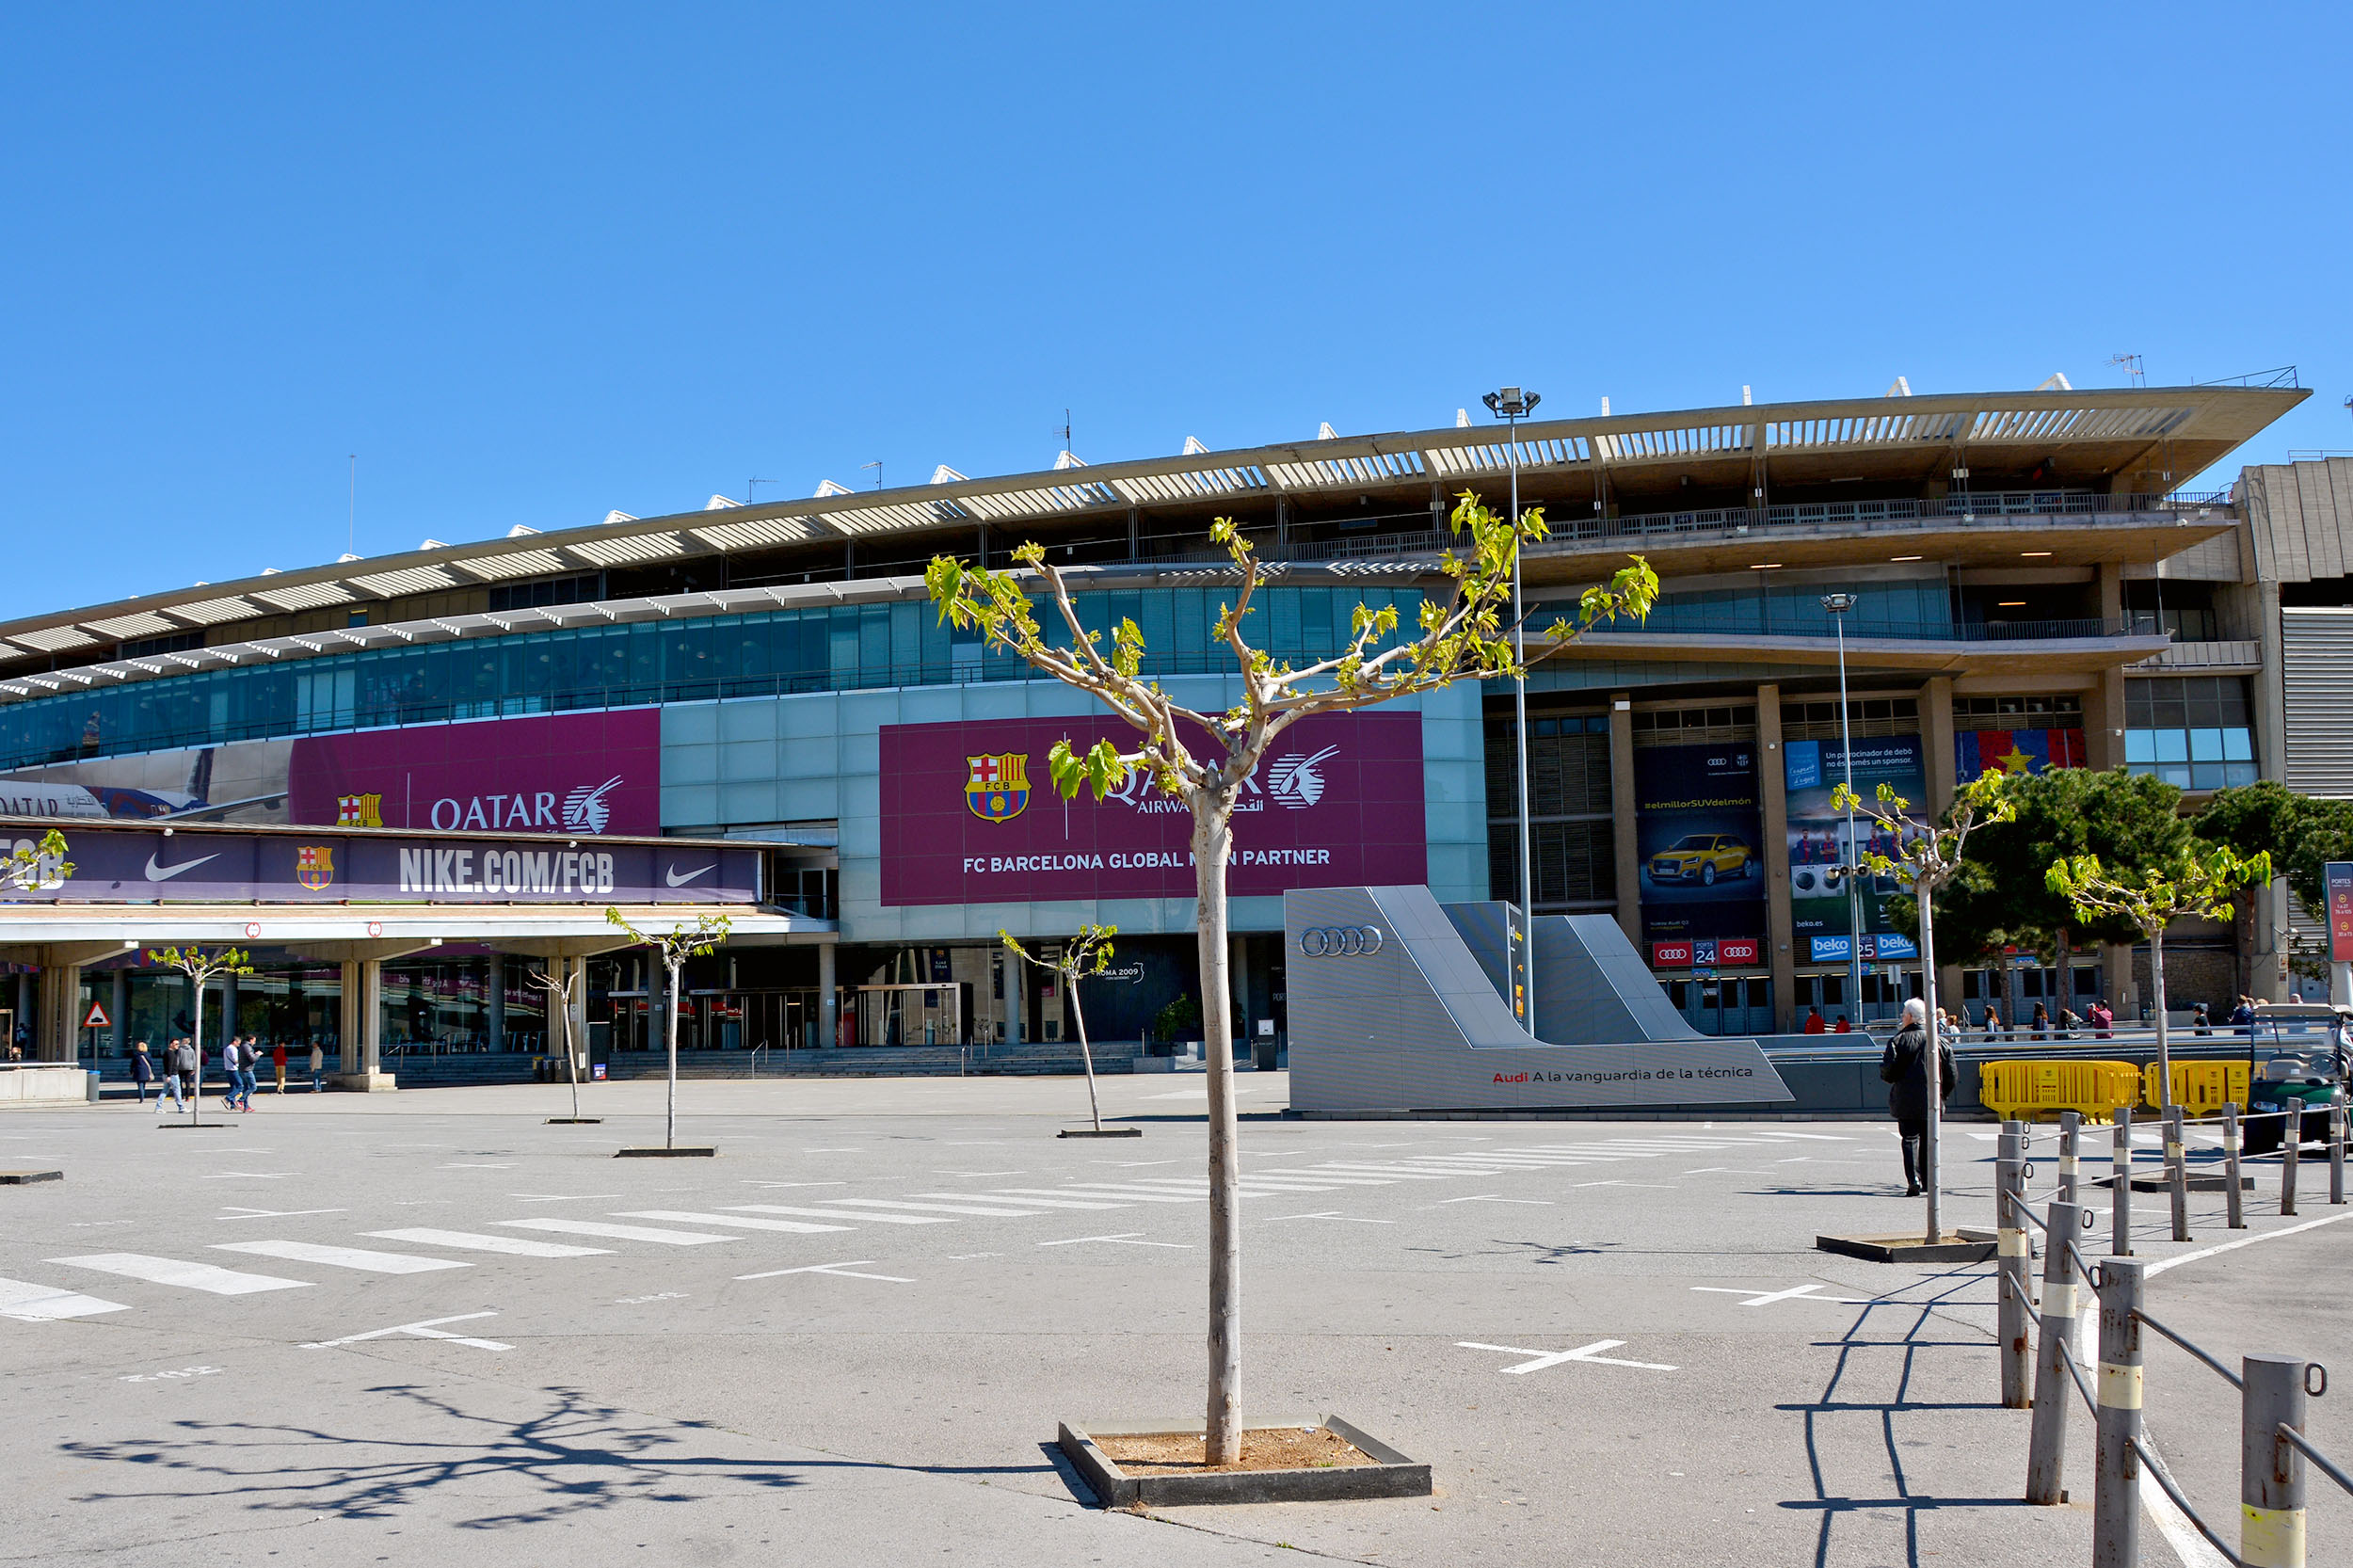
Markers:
point(1156, 1475)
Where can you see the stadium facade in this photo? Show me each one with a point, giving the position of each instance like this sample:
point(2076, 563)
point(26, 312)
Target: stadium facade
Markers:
point(2032, 587)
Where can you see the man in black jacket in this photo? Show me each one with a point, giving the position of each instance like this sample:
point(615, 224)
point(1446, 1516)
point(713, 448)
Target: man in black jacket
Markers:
point(1903, 1065)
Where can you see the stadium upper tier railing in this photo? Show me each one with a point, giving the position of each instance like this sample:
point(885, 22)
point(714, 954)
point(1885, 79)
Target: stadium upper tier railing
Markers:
point(1570, 530)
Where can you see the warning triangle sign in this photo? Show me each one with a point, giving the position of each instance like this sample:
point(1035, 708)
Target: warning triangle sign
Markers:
point(97, 1018)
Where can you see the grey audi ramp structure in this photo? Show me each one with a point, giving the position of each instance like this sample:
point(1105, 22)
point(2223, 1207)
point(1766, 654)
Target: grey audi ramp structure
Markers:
point(1397, 1005)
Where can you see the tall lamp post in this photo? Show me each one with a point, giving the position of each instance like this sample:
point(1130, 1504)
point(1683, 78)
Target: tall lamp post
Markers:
point(1513, 405)
point(1838, 605)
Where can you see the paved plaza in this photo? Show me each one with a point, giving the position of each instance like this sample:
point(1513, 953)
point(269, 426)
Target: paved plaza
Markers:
point(360, 1329)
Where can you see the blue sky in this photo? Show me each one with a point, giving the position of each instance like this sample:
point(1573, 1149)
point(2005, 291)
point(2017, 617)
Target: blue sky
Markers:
point(533, 263)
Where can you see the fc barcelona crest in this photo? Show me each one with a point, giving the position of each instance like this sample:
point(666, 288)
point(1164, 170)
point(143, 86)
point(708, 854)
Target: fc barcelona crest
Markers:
point(359, 811)
point(999, 786)
point(315, 866)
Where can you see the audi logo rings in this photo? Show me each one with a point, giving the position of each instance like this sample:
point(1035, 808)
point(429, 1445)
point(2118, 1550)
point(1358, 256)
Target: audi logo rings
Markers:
point(1339, 941)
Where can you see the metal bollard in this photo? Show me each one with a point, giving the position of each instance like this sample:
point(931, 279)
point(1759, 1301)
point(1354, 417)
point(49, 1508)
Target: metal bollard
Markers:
point(2233, 1207)
point(2069, 1124)
point(2270, 1470)
point(2046, 1445)
point(2116, 1485)
point(2121, 1216)
point(2290, 1152)
point(2013, 1301)
point(2336, 1145)
point(2177, 1172)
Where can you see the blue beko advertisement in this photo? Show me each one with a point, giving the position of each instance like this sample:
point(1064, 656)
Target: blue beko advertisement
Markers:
point(1818, 844)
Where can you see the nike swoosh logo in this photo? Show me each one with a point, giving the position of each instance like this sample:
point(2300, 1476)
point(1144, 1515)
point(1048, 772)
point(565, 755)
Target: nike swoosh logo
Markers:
point(677, 881)
point(165, 873)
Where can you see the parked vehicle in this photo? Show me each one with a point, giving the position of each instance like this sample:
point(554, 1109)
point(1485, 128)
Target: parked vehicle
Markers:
point(2297, 1055)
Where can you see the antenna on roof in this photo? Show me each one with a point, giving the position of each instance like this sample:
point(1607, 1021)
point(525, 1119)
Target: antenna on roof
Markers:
point(876, 466)
point(2130, 364)
point(751, 484)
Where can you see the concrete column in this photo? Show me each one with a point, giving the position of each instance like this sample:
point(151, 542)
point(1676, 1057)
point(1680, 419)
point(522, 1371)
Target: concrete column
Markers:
point(2104, 721)
point(494, 1001)
point(119, 1008)
point(1936, 742)
point(2269, 690)
point(360, 1056)
point(2116, 973)
point(26, 1010)
point(578, 1008)
point(229, 1006)
point(1772, 789)
point(58, 1037)
point(828, 998)
point(347, 1053)
point(1621, 817)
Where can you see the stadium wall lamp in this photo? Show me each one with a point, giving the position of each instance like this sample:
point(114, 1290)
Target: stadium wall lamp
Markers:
point(1511, 403)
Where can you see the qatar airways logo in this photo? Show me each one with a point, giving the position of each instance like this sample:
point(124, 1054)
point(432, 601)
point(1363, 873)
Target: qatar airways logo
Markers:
point(584, 808)
point(1294, 780)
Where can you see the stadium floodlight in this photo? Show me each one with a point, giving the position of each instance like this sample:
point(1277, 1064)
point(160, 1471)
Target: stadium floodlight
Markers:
point(1513, 405)
point(1838, 605)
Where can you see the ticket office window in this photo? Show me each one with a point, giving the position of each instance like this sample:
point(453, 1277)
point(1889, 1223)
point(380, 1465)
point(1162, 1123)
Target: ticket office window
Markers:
point(1724, 1004)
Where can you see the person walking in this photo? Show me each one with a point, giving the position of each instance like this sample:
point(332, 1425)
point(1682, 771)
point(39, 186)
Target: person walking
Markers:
point(233, 1064)
point(1814, 1024)
point(277, 1059)
point(1993, 1030)
point(319, 1068)
point(143, 1072)
point(2041, 1021)
point(1904, 1067)
point(2102, 1019)
point(249, 1058)
point(169, 1082)
point(2200, 1023)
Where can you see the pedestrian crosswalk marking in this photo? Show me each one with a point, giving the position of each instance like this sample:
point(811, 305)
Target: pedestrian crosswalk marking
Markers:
point(1131, 1195)
point(965, 1210)
point(1038, 1203)
point(618, 1233)
point(1406, 1171)
point(468, 1240)
point(187, 1276)
point(34, 1304)
point(743, 1222)
point(837, 1214)
point(343, 1258)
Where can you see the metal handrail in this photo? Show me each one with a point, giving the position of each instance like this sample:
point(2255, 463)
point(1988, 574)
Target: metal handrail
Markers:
point(2304, 1446)
point(2067, 1359)
point(2181, 1501)
point(2232, 1378)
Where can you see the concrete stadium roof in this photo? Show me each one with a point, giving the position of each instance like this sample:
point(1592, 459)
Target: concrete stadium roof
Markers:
point(2112, 432)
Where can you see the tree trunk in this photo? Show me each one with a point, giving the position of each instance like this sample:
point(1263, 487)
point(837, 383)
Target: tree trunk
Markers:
point(1213, 846)
point(669, 1105)
point(2157, 988)
point(571, 1056)
point(1086, 1053)
point(196, 1086)
point(1936, 1066)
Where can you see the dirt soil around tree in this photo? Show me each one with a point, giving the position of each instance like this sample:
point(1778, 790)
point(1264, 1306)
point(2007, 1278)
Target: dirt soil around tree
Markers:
point(1179, 1453)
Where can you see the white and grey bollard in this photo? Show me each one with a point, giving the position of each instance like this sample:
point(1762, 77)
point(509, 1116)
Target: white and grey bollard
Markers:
point(2177, 1172)
point(2120, 1215)
point(2336, 1145)
point(2291, 1155)
point(2233, 1210)
point(2271, 1471)
point(2116, 1485)
point(2046, 1445)
point(2070, 1124)
point(2013, 1299)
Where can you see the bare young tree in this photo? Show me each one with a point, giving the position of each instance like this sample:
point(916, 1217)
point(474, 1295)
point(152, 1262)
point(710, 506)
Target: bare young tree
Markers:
point(1089, 952)
point(201, 968)
point(560, 995)
point(1467, 632)
point(2200, 882)
point(674, 947)
point(1929, 854)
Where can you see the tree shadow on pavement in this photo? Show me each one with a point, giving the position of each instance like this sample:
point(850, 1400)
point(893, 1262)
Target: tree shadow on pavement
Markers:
point(578, 1456)
point(1908, 1321)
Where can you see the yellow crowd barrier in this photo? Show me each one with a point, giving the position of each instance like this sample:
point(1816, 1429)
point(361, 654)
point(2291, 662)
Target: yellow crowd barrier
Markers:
point(2026, 1089)
point(2200, 1088)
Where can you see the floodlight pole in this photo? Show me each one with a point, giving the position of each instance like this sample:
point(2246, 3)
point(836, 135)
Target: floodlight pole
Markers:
point(1511, 405)
point(1838, 605)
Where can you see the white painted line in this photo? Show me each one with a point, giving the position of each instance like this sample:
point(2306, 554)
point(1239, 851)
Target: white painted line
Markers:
point(1098, 1189)
point(742, 1222)
point(462, 1166)
point(968, 1209)
point(1135, 1165)
point(2179, 1534)
point(1554, 1358)
point(429, 1329)
point(468, 1240)
point(836, 1214)
point(1037, 1203)
point(35, 1304)
point(2242, 1241)
point(343, 1258)
point(1327, 1177)
point(1765, 1298)
point(979, 1174)
point(618, 1233)
point(1249, 1184)
point(1495, 1197)
point(188, 1276)
point(749, 1183)
point(1406, 1173)
point(566, 1198)
point(847, 1271)
point(1125, 1238)
point(248, 1175)
point(1327, 1214)
point(238, 1211)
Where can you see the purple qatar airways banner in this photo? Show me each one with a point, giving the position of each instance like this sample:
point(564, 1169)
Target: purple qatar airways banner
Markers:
point(117, 865)
point(550, 772)
point(969, 815)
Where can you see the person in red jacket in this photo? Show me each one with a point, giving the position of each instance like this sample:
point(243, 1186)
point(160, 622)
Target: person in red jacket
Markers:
point(1814, 1024)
